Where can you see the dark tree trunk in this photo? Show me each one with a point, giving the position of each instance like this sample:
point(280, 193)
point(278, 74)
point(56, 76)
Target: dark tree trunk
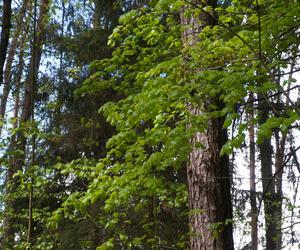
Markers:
point(266, 152)
point(209, 189)
point(6, 25)
point(207, 172)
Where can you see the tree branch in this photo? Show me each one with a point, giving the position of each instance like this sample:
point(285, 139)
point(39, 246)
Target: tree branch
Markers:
point(222, 24)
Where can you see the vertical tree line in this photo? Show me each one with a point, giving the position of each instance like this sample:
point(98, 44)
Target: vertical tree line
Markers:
point(207, 170)
point(6, 26)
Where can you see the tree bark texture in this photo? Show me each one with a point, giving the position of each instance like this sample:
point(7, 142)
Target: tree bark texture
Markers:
point(269, 196)
point(207, 172)
point(6, 26)
point(10, 58)
point(209, 190)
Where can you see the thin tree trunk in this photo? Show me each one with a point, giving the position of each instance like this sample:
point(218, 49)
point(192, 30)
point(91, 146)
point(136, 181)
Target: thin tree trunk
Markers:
point(27, 111)
point(207, 172)
point(266, 152)
point(9, 221)
point(61, 52)
point(279, 165)
point(279, 170)
point(35, 62)
point(9, 61)
point(97, 14)
point(30, 89)
point(29, 227)
point(33, 86)
point(6, 26)
point(254, 212)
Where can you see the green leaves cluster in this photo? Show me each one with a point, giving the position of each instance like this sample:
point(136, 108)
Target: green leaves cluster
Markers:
point(156, 79)
point(142, 177)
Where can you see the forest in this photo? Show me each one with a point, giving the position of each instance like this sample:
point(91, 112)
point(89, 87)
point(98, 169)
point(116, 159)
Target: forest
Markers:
point(150, 124)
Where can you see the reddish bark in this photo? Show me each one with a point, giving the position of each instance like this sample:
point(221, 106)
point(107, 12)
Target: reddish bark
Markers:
point(207, 172)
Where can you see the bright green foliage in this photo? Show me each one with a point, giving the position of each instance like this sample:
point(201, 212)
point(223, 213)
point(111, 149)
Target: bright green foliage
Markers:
point(141, 180)
point(133, 193)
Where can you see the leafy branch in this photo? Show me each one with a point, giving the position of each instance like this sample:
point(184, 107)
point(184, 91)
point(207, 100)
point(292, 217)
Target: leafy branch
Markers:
point(222, 24)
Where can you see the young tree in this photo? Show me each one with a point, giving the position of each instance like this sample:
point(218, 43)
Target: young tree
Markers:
point(13, 181)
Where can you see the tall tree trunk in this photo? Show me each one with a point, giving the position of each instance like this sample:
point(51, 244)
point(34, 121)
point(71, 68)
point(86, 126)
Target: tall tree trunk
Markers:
point(254, 212)
point(35, 61)
point(10, 58)
point(9, 221)
point(27, 109)
point(97, 14)
point(266, 152)
point(6, 26)
point(279, 165)
point(207, 172)
point(272, 182)
point(279, 168)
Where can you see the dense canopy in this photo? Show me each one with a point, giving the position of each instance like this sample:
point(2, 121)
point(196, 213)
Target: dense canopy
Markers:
point(163, 124)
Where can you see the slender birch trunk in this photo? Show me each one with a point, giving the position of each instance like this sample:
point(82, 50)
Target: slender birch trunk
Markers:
point(254, 212)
